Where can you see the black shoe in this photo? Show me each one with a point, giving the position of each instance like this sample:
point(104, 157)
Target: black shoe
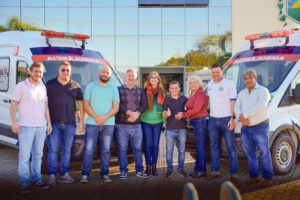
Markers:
point(24, 188)
point(198, 174)
point(154, 170)
point(234, 179)
point(182, 173)
point(169, 172)
point(40, 185)
point(148, 170)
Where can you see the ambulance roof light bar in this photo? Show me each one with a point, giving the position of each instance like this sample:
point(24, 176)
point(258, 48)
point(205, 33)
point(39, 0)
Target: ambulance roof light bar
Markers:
point(52, 34)
point(273, 34)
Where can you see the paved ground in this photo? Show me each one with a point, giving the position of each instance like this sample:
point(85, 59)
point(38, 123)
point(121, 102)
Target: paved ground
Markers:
point(135, 188)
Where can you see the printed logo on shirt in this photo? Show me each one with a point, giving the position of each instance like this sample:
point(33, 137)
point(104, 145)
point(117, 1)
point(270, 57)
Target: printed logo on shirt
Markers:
point(221, 89)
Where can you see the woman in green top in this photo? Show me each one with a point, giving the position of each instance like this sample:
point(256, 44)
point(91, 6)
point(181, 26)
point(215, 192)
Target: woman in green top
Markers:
point(152, 120)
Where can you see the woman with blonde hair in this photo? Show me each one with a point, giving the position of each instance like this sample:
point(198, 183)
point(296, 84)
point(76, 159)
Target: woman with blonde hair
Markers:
point(152, 120)
point(197, 113)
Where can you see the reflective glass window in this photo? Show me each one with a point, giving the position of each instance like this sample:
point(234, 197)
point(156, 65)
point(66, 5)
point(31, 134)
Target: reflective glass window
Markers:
point(219, 20)
point(58, 18)
point(126, 51)
point(7, 13)
point(126, 2)
point(106, 46)
point(103, 2)
point(150, 53)
point(103, 21)
point(80, 20)
point(197, 21)
point(10, 3)
point(173, 50)
point(32, 3)
point(126, 21)
point(33, 16)
point(150, 21)
point(76, 3)
point(196, 51)
point(57, 3)
point(219, 2)
point(173, 21)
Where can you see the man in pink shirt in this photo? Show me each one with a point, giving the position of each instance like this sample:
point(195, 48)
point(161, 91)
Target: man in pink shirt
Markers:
point(30, 97)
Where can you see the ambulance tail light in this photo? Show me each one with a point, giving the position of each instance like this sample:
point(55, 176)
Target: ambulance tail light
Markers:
point(16, 50)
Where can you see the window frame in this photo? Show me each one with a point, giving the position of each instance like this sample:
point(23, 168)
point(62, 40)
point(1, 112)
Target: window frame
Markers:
point(6, 57)
point(17, 66)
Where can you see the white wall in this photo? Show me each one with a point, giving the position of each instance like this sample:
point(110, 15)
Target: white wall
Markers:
point(254, 16)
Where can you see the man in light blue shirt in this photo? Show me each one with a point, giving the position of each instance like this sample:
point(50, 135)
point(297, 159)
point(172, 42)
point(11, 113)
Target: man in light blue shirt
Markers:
point(101, 102)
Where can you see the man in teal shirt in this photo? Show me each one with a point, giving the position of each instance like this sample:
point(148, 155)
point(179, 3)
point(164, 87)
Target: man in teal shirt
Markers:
point(101, 102)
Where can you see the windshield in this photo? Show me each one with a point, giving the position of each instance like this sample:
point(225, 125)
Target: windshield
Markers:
point(271, 68)
point(82, 72)
point(86, 64)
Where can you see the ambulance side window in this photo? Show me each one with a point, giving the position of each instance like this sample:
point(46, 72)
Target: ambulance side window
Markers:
point(287, 98)
point(4, 74)
point(294, 83)
point(22, 71)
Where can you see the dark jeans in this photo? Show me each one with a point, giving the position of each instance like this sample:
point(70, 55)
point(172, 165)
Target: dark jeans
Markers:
point(64, 134)
point(200, 128)
point(215, 127)
point(90, 140)
point(254, 138)
point(178, 136)
point(124, 133)
point(151, 133)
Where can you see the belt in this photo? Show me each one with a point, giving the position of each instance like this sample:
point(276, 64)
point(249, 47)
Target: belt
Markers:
point(260, 124)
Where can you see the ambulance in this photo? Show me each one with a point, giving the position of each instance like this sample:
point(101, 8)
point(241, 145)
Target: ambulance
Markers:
point(19, 49)
point(276, 58)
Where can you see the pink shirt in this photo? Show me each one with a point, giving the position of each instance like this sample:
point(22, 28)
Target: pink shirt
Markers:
point(31, 99)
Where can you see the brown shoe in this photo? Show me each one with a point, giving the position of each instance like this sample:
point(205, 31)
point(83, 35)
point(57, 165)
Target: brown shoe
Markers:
point(213, 175)
point(252, 181)
point(266, 183)
point(234, 179)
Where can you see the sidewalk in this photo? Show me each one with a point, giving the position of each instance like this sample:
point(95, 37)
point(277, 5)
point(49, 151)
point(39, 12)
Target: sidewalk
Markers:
point(285, 191)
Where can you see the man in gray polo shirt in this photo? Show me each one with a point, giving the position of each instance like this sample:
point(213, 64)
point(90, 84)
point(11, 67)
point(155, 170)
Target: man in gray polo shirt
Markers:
point(251, 109)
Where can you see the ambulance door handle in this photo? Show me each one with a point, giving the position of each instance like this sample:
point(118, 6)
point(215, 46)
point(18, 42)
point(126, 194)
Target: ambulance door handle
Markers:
point(6, 100)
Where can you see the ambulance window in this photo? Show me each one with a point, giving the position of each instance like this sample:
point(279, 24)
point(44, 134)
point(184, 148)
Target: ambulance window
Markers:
point(295, 82)
point(22, 71)
point(4, 73)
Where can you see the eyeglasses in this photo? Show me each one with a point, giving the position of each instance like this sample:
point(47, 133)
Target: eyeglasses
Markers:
point(153, 77)
point(66, 70)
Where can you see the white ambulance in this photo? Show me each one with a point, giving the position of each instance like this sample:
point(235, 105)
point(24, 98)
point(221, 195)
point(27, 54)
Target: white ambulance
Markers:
point(19, 49)
point(276, 58)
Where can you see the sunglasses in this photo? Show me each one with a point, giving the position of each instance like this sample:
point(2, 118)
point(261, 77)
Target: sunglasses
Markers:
point(66, 70)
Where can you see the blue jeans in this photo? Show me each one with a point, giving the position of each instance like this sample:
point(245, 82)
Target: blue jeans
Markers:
point(92, 132)
point(151, 133)
point(63, 133)
point(215, 126)
point(124, 132)
point(200, 128)
point(254, 138)
point(180, 137)
point(31, 141)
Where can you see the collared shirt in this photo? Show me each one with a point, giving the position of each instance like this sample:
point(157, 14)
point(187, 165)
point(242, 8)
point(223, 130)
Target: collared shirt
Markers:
point(196, 106)
point(175, 106)
point(133, 99)
point(253, 105)
point(101, 100)
point(61, 100)
point(32, 99)
point(220, 94)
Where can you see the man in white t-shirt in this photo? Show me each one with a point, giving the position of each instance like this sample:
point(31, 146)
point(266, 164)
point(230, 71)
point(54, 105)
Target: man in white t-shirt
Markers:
point(222, 96)
point(30, 98)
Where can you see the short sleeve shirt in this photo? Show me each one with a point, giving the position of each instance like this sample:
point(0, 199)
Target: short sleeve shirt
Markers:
point(62, 100)
point(175, 105)
point(220, 95)
point(101, 100)
point(32, 99)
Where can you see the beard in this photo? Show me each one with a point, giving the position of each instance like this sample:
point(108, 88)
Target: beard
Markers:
point(103, 79)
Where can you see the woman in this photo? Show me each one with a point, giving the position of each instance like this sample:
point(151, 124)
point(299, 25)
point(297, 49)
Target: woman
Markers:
point(152, 120)
point(197, 113)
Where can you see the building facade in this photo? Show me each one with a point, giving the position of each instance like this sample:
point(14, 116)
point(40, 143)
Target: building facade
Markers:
point(129, 35)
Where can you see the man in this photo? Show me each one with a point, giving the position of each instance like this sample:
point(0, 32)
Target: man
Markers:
point(251, 110)
point(101, 102)
point(222, 96)
point(133, 103)
point(176, 129)
point(63, 93)
point(30, 97)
